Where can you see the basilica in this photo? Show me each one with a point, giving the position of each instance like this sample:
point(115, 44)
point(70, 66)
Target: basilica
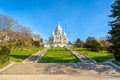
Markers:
point(58, 38)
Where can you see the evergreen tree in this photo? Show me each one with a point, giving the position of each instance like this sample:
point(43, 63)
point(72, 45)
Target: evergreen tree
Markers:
point(115, 31)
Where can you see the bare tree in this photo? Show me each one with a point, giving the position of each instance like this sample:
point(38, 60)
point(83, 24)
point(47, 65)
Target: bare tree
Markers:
point(7, 24)
point(25, 36)
point(13, 33)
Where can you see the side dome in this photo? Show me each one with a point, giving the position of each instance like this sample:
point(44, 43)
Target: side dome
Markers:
point(52, 33)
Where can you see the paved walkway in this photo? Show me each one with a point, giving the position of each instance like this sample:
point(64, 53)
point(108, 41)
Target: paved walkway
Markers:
point(57, 77)
point(60, 71)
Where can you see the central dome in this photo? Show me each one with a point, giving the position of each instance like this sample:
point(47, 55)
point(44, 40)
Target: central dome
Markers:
point(58, 29)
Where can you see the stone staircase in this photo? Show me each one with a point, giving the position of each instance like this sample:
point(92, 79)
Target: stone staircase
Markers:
point(35, 57)
point(83, 58)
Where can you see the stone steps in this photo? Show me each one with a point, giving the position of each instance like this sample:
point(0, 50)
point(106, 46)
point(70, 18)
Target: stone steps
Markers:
point(34, 58)
point(81, 57)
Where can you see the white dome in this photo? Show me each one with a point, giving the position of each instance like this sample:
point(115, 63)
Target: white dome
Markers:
point(58, 28)
point(53, 34)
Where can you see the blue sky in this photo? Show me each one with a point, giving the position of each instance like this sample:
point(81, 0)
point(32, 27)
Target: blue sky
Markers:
point(78, 18)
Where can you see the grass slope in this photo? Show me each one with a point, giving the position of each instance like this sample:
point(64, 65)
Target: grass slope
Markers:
point(3, 64)
point(97, 56)
point(18, 54)
point(58, 55)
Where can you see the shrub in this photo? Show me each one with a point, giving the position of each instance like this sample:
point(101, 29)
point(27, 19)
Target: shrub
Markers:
point(4, 54)
point(36, 43)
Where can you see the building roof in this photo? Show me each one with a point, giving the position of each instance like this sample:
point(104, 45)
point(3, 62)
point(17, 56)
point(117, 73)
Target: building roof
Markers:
point(59, 28)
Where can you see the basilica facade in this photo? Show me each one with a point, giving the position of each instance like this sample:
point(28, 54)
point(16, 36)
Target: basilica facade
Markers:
point(58, 38)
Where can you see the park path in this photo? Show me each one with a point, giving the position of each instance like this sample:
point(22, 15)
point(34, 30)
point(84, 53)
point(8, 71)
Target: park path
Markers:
point(45, 71)
point(81, 57)
point(35, 57)
point(87, 69)
point(61, 69)
point(56, 77)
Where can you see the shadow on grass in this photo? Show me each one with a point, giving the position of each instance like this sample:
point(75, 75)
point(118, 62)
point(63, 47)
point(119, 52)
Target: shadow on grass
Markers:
point(101, 59)
point(58, 60)
point(18, 58)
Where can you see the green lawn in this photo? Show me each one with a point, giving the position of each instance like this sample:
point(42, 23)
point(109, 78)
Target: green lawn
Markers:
point(3, 64)
point(18, 54)
point(97, 56)
point(58, 55)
